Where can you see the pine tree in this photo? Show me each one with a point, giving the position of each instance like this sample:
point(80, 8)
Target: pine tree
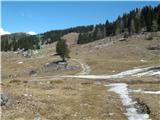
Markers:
point(137, 21)
point(154, 26)
point(149, 19)
point(117, 26)
point(137, 25)
point(158, 17)
point(107, 27)
point(62, 49)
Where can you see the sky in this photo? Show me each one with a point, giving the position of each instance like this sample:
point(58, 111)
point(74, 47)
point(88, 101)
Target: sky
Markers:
point(38, 17)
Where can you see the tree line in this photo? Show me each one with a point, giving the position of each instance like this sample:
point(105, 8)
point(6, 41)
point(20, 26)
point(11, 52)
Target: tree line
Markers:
point(136, 21)
point(24, 41)
point(55, 35)
point(13, 43)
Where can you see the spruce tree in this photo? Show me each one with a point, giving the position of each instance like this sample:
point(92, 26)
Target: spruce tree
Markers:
point(158, 17)
point(62, 49)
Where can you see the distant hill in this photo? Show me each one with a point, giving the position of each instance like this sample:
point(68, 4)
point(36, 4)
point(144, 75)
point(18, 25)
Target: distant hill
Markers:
point(22, 40)
point(136, 21)
point(14, 36)
point(71, 38)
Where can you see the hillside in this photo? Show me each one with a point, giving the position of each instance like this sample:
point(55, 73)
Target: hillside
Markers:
point(71, 38)
point(36, 88)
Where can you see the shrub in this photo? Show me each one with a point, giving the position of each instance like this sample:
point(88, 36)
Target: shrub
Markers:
point(149, 37)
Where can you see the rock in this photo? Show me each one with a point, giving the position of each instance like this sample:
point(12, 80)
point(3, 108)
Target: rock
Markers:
point(32, 73)
point(35, 52)
point(149, 36)
point(71, 67)
point(62, 63)
point(122, 39)
point(4, 99)
point(37, 117)
point(154, 47)
point(59, 65)
point(142, 107)
point(56, 65)
point(20, 62)
point(111, 114)
point(143, 60)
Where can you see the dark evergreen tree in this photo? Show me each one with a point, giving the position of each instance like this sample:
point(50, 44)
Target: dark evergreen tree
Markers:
point(158, 16)
point(62, 49)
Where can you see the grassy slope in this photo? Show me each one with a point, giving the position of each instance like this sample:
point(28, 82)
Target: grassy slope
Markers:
point(70, 99)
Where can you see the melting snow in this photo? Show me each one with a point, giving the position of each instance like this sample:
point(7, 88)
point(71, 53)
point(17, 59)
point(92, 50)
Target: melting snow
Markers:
point(149, 71)
point(122, 90)
point(147, 92)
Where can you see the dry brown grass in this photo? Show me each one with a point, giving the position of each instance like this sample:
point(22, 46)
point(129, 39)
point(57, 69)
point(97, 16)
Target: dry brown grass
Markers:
point(77, 99)
point(71, 100)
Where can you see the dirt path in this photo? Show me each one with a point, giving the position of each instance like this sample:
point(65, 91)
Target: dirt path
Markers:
point(84, 74)
point(85, 71)
point(85, 68)
point(148, 71)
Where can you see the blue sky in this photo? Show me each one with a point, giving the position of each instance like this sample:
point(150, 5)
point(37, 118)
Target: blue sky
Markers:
point(44, 16)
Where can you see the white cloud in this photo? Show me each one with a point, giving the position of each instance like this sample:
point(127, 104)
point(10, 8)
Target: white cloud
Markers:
point(3, 32)
point(31, 33)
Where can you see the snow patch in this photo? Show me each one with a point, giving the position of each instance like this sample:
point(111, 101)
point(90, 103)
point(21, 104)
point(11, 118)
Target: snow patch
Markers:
point(146, 92)
point(131, 112)
point(148, 71)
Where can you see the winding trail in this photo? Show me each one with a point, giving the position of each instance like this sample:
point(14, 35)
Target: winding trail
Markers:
point(85, 68)
point(84, 74)
point(138, 72)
